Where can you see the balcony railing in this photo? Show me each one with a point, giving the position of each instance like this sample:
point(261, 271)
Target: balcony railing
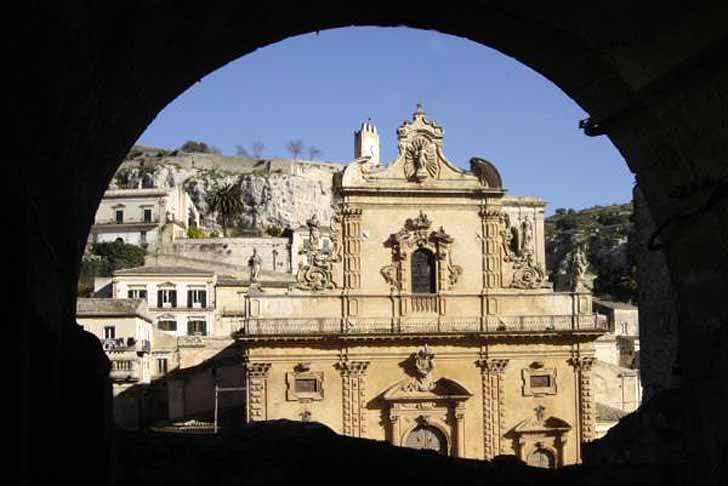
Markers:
point(125, 371)
point(128, 221)
point(121, 345)
point(403, 326)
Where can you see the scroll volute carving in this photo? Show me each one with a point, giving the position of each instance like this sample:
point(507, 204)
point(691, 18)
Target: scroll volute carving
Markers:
point(318, 271)
point(414, 235)
point(520, 269)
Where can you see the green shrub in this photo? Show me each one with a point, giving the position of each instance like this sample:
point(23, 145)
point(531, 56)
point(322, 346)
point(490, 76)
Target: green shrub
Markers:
point(116, 255)
point(275, 231)
point(196, 232)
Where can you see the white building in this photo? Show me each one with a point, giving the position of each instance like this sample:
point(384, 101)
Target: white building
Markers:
point(181, 300)
point(144, 216)
point(138, 354)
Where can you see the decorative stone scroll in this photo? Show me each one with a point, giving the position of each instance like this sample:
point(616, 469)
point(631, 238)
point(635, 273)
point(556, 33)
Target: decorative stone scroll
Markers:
point(519, 253)
point(256, 379)
point(353, 375)
point(582, 367)
point(491, 373)
point(317, 272)
point(414, 235)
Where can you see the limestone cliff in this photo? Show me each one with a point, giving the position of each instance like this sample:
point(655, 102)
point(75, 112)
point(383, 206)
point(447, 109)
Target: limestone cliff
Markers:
point(275, 192)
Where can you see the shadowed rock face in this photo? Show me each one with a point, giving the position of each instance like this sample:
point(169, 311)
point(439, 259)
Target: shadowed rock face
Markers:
point(86, 79)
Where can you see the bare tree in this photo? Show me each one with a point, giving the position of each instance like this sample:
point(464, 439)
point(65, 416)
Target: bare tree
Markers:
point(295, 147)
point(256, 149)
point(240, 150)
point(313, 152)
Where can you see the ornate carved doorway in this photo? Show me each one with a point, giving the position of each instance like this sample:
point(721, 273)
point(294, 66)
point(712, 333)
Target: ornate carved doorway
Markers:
point(427, 438)
point(423, 272)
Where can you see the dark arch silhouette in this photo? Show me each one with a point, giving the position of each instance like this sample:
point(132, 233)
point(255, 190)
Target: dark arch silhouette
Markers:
point(86, 79)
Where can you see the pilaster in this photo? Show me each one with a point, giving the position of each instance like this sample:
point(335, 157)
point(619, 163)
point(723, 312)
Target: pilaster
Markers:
point(490, 218)
point(353, 374)
point(587, 420)
point(351, 226)
point(256, 379)
point(493, 405)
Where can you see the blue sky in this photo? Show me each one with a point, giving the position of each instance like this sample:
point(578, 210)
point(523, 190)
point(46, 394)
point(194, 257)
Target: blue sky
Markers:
point(320, 87)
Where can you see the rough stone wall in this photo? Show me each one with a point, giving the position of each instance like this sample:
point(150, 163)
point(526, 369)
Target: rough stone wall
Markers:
point(237, 251)
point(658, 319)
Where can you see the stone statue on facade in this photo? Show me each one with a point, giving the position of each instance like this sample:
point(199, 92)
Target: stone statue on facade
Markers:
point(254, 265)
point(578, 266)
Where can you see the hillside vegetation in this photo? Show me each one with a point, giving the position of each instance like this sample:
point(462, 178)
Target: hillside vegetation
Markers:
point(606, 232)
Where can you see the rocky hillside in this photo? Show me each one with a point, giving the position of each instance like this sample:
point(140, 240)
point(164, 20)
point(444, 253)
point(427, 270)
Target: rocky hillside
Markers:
point(606, 233)
point(275, 193)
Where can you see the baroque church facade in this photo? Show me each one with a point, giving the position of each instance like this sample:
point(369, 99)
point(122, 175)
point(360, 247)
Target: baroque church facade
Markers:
point(427, 321)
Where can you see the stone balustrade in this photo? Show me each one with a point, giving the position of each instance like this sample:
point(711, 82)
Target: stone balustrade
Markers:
point(125, 370)
point(403, 326)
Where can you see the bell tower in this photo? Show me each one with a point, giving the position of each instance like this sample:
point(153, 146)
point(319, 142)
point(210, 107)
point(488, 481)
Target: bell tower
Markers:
point(366, 143)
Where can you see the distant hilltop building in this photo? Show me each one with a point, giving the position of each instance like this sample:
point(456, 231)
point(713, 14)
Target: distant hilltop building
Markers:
point(144, 216)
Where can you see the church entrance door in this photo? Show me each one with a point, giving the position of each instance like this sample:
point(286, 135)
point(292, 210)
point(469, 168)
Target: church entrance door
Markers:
point(541, 458)
point(428, 438)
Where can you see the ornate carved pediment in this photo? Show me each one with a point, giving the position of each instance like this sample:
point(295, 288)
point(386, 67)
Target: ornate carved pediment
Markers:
point(416, 234)
point(540, 424)
point(442, 389)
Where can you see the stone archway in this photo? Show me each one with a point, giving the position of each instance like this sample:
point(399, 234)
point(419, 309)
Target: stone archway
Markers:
point(427, 437)
point(89, 78)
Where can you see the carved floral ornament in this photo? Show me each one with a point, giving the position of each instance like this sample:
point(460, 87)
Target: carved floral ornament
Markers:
point(414, 235)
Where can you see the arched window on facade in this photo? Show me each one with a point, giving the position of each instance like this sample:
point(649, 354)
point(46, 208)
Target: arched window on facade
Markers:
point(541, 458)
point(423, 272)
